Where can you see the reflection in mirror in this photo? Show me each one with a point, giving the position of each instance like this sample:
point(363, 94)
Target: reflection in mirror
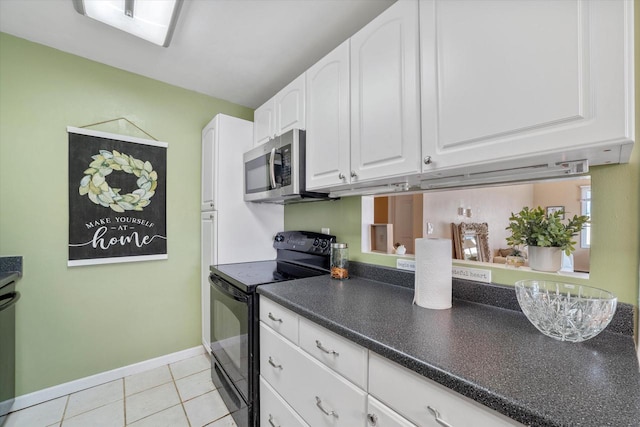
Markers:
point(430, 214)
point(470, 241)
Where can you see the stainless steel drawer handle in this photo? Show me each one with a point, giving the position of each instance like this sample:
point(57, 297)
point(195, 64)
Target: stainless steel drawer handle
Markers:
point(271, 421)
point(341, 176)
point(272, 363)
point(373, 419)
point(321, 347)
point(272, 317)
point(319, 405)
point(436, 415)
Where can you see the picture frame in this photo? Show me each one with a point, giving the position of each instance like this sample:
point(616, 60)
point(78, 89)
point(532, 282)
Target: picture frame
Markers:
point(552, 209)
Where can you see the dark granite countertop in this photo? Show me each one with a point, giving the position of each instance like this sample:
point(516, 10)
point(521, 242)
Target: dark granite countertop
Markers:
point(492, 355)
point(10, 269)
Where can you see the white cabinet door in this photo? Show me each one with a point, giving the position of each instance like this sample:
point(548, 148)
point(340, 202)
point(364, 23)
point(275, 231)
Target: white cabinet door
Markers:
point(503, 80)
point(275, 411)
point(290, 106)
point(425, 402)
point(264, 122)
point(283, 112)
point(208, 253)
point(385, 99)
point(380, 415)
point(328, 117)
point(208, 185)
point(338, 353)
point(280, 319)
point(319, 395)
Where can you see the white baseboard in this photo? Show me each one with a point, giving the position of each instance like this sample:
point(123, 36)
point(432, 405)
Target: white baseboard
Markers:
point(54, 392)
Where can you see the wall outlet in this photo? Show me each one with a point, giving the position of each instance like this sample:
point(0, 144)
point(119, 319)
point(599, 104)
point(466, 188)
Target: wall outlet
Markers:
point(325, 230)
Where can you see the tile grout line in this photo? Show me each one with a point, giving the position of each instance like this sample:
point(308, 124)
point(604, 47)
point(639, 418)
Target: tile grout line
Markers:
point(124, 401)
point(64, 412)
point(184, 410)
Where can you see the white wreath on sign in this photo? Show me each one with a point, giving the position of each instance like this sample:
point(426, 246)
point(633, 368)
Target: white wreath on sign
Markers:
point(95, 185)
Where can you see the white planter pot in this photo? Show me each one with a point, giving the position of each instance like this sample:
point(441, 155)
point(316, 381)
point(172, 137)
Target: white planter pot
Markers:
point(545, 259)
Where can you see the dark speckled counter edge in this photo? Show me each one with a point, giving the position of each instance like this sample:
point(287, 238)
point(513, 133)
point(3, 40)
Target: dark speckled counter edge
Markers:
point(10, 269)
point(482, 293)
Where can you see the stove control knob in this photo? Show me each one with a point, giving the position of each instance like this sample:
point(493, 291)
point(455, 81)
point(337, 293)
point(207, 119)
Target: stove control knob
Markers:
point(279, 238)
point(316, 242)
point(323, 244)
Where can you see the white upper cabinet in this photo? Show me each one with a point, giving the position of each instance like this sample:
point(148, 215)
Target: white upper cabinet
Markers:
point(506, 81)
point(290, 106)
point(264, 122)
point(385, 98)
point(328, 117)
point(283, 112)
point(208, 187)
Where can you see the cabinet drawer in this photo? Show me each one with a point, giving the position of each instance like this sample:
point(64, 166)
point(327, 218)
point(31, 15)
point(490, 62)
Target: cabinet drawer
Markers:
point(411, 395)
point(319, 395)
point(380, 415)
point(275, 411)
point(338, 353)
point(283, 321)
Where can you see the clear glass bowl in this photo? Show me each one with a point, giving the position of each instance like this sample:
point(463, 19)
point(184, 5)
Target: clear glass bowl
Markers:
point(565, 311)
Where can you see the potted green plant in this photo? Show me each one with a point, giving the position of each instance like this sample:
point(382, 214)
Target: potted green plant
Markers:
point(545, 235)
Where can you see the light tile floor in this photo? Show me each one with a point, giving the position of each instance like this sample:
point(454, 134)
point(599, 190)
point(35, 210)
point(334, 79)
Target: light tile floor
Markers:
point(175, 395)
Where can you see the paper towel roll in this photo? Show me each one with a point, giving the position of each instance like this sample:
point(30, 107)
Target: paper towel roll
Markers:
point(433, 273)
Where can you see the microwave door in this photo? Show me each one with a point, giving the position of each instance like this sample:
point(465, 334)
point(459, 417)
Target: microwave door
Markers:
point(261, 174)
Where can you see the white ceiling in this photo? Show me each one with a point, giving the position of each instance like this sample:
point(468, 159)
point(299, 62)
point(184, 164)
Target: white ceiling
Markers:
point(242, 51)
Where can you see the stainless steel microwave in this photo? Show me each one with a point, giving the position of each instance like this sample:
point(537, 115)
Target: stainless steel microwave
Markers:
point(275, 171)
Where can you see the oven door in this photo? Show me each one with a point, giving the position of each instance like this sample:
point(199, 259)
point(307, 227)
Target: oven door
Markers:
point(230, 332)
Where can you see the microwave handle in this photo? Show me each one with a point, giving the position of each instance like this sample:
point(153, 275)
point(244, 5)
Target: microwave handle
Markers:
point(272, 173)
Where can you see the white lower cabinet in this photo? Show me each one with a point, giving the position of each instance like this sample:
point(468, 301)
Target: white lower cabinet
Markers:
point(380, 415)
point(281, 320)
point(425, 402)
point(338, 353)
point(319, 395)
point(274, 411)
point(328, 380)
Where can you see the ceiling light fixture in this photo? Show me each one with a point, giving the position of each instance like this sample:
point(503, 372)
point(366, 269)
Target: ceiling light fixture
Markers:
point(152, 20)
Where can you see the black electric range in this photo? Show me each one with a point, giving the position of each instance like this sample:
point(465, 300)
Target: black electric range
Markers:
point(235, 317)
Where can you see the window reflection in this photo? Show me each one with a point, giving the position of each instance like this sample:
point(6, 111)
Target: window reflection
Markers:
point(431, 214)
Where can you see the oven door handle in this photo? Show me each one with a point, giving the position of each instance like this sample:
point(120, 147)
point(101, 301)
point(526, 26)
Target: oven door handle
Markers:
point(227, 288)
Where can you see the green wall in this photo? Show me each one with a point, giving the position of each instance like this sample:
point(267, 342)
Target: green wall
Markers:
point(75, 322)
point(615, 251)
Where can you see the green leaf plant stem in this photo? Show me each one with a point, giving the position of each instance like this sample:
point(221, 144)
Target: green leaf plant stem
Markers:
point(532, 227)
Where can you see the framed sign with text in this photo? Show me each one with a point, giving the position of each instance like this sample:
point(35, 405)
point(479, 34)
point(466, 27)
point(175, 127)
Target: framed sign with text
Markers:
point(117, 198)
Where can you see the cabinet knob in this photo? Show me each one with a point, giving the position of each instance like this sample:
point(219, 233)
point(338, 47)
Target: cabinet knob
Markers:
point(211, 216)
point(353, 174)
point(341, 176)
point(325, 350)
point(373, 419)
point(271, 421)
point(272, 317)
point(272, 363)
point(436, 415)
point(427, 160)
point(325, 411)
point(211, 204)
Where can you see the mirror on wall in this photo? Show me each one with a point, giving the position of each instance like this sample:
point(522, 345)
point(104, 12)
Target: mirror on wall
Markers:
point(463, 215)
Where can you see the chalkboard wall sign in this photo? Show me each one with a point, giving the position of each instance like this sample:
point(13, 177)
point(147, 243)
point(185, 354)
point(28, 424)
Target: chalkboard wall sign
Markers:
point(117, 198)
